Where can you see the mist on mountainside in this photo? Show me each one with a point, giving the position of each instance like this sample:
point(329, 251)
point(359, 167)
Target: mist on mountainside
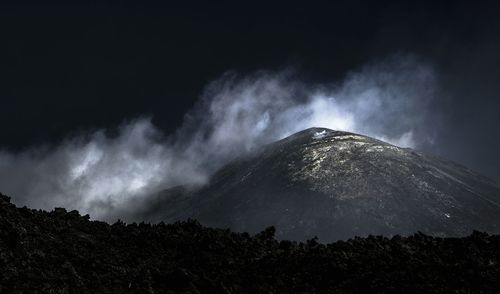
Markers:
point(100, 174)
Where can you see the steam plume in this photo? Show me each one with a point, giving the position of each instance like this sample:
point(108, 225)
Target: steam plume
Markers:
point(100, 175)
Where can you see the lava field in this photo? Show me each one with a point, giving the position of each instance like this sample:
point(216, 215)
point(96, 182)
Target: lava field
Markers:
point(64, 252)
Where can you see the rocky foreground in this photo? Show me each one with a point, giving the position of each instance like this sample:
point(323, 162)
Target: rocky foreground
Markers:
point(63, 252)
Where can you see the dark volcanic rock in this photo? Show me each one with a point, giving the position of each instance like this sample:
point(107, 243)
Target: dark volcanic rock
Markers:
point(337, 185)
point(63, 252)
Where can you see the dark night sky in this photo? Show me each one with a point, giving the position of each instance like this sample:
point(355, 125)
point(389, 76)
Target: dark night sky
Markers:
point(67, 67)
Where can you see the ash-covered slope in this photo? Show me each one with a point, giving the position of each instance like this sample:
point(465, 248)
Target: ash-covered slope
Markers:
point(337, 185)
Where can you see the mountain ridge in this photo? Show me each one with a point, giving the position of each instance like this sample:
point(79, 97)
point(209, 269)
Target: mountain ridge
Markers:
point(335, 185)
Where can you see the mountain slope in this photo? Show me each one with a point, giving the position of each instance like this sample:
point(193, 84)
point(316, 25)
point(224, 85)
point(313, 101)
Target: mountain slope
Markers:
point(337, 185)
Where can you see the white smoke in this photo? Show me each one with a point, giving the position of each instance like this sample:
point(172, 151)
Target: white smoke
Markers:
point(101, 175)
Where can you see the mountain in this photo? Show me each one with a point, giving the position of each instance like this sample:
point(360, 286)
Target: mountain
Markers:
point(337, 185)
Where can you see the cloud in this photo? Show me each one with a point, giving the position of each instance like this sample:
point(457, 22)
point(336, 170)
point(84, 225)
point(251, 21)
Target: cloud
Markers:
point(103, 175)
point(94, 174)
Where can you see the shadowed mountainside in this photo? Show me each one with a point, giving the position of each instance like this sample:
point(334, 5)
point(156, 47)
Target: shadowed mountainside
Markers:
point(337, 185)
point(63, 252)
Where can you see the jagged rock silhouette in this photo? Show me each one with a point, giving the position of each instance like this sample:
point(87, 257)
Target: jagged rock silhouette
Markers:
point(63, 252)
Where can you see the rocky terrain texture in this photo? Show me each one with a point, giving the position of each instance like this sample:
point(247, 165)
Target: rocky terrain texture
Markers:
point(337, 185)
point(63, 252)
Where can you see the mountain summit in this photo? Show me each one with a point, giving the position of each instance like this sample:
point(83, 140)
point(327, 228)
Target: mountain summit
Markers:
point(337, 185)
